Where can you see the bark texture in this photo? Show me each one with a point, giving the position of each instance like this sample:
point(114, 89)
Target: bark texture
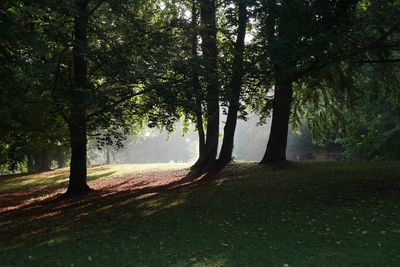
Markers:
point(210, 56)
point(196, 86)
point(225, 155)
point(277, 25)
point(77, 122)
point(277, 142)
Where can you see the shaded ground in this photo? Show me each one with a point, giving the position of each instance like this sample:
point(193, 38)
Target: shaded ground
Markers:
point(308, 214)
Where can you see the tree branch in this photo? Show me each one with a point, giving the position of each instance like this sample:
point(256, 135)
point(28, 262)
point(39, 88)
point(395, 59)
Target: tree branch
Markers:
point(96, 7)
point(113, 105)
point(317, 64)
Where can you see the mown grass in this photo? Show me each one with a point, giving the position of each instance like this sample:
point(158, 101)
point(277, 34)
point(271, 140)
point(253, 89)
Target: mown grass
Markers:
point(11, 183)
point(300, 214)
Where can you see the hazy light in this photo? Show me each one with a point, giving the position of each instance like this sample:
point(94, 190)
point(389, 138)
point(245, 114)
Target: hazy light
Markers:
point(153, 146)
point(248, 38)
point(162, 5)
point(187, 14)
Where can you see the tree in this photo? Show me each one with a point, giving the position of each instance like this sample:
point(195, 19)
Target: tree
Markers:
point(100, 79)
point(197, 87)
point(225, 155)
point(210, 57)
point(77, 121)
point(358, 105)
point(29, 131)
point(303, 38)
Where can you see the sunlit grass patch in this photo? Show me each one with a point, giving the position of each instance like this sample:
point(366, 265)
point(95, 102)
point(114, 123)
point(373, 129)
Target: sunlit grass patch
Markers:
point(299, 214)
point(60, 176)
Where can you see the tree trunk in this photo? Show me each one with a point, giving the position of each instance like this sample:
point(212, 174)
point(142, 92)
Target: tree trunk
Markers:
point(196, 86)
point(202, 140)
point(60, 158)
point(78, 172)
point(108, 160)
point(31, 163)
point(225, 155)
point(283, 69)
point(77, 122)
point(202, 136)
point(276, 148)
point(210, 55)
point(36, 161)
point(45, 160)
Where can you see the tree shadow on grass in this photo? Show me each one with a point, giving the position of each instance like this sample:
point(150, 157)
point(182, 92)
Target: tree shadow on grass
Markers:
point(30, 193)
point(46, 199)
point(13, 176)
point(167, 222)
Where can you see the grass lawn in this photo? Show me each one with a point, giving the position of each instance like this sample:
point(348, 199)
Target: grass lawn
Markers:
point(299, 214)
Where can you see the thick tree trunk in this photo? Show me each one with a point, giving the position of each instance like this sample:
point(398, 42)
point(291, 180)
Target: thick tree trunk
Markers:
point(196, 86)
point(276, 147)
point(45, 160)
point(78, 171)
point(210, 55)
point(283, 69)
point(77, 123)
point(225, 155)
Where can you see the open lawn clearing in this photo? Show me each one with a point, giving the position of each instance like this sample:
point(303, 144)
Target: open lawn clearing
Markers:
point(300, 214)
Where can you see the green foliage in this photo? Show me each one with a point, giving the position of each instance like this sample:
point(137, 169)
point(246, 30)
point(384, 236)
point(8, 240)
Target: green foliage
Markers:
point(356, 105)
point(125, 82)
point(342, 95)
point(374, 130)
point(29, 125)
point(141, 69)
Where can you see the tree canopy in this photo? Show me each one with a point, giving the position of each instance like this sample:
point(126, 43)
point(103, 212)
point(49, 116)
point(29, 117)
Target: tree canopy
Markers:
point(75, 70)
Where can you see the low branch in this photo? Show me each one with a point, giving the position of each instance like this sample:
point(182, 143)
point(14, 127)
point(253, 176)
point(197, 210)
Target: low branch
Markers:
point(96, 7)
point(317, 63)
point(115, 104)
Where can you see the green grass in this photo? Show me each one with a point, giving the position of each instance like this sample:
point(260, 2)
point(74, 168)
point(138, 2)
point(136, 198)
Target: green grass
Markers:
point(12, 183)
point(300, 214)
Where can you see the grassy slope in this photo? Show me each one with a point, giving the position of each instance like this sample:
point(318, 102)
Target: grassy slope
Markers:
point(12, 183)
point(303, 214)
